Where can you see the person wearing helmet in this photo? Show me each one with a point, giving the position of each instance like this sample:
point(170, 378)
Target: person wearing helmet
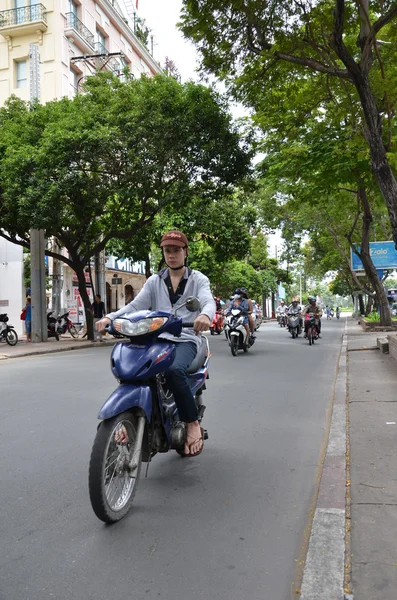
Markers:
point(312, 307)
point(295, 309)
point(281, 310)
point(251, 323)
point(240, 301)
point(164, 291)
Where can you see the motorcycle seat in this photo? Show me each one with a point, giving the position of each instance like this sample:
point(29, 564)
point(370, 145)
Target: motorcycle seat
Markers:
point(200, 357)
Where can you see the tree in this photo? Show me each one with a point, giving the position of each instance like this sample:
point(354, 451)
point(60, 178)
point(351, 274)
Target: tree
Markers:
point(103, 165)
point(254, 45)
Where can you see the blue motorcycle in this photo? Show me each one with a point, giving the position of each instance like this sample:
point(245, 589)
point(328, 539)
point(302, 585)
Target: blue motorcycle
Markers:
point(140, 418)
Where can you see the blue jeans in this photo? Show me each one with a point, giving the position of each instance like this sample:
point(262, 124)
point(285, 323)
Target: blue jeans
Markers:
point(178, 381)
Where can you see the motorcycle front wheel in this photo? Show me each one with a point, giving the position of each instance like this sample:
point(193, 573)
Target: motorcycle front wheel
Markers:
point(310, 336)
point(73, 332)
point(11, 337)
point(112, 484)
point(234, 345)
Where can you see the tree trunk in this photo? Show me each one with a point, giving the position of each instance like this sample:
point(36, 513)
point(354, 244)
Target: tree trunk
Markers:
point(147, 266)
point(264, 310)
point(370, 269)
point(379, 162)
point(273, 305)
point(361, 304)
point(79, 270)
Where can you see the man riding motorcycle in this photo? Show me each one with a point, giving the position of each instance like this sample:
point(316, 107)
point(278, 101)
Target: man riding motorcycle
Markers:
point(281, 310)
point(251, 321)
point(240, 302)
point(164, 291)
point(312, 307)
point(295, 309)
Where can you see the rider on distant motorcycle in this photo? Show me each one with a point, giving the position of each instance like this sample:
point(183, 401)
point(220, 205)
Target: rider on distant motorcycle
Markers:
point(240, 302)
point(295, 309)
point(251, 322)
point(281, 310)
point(312, 307)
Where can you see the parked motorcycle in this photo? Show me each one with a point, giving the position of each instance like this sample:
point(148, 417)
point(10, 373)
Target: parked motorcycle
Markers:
point(140, 417)
point(65, 324)
point(312, 330)
point(7, 332)
point(218, 323)
point(52, 326)
point(294, 324)
point(235, 332)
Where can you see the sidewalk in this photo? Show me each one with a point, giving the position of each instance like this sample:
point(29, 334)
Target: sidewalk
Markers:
point(372, 408)
point(65, 343)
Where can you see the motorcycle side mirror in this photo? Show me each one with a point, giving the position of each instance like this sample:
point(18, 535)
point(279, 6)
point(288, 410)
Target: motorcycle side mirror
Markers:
point(193, 304)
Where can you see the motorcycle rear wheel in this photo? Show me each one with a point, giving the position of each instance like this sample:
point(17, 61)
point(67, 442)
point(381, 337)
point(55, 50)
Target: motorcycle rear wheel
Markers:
point(109, 466)
point(11, 337)
point(234, 345)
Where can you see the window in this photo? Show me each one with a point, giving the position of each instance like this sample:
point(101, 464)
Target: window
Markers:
point(100, 38)
point(73, 83)
point(73, 7)
point(21, 74)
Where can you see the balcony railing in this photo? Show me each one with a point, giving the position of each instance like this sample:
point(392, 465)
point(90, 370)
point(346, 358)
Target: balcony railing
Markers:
point(75, 23)
point(22, 16)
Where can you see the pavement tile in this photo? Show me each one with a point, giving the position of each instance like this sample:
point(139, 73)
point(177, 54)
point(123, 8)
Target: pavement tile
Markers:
point(372, 394)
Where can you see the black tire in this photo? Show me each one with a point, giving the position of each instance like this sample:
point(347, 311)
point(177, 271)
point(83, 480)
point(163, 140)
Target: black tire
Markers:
point(11, 337)
point(105, 447)
point(293, 334)
point(245, 349)
point(234, 345)
point(212, 331)
point(73, 332)
point(310, 336)
point(57, 337)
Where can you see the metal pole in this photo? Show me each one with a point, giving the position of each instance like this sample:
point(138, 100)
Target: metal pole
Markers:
point(37, 275)
point(300, 288)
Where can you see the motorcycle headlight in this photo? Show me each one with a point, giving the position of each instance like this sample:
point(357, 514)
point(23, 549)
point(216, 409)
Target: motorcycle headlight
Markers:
point(142, 327)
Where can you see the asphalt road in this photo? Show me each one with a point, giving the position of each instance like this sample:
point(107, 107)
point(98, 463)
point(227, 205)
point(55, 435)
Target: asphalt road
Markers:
point(227, 525)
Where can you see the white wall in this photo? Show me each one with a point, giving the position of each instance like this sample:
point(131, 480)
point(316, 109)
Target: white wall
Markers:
point(11, 282)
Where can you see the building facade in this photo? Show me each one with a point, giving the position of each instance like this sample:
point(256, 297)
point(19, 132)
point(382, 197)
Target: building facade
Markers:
point(73, 39)
point(47, 50)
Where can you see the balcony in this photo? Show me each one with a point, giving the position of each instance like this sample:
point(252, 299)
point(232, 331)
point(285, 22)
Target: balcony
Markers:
point(23, 21)
point(82, 37)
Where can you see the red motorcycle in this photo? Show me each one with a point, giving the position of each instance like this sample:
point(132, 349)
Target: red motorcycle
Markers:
point(218, 323)
point(64, 324)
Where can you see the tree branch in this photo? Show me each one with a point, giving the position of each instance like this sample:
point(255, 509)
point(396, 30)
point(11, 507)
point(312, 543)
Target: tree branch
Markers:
point(313, 64)
point(384, 20)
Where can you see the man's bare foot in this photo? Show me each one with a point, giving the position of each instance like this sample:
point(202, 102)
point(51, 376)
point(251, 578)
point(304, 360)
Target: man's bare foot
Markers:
point(121, 436)
point(194, 439)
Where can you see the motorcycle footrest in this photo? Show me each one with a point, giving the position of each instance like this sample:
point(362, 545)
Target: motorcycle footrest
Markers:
point(201, 411)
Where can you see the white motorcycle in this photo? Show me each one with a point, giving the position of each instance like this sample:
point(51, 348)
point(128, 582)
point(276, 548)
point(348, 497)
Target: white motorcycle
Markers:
point(235, 332)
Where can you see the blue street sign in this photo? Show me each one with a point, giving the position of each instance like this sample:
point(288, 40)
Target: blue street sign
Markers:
point(380, 273)
point(383, 254)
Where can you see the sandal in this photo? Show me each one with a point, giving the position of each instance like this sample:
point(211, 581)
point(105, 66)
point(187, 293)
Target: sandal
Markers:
point(195, 442)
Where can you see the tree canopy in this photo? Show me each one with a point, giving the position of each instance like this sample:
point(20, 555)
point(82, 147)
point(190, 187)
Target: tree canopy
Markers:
point(343, 52)
point(105, 164)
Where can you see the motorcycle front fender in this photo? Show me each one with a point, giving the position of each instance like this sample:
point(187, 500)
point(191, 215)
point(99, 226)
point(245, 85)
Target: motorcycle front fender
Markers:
point(125, 397)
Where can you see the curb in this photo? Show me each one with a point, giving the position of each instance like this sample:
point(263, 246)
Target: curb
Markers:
point(324, 571)
point(55, 350)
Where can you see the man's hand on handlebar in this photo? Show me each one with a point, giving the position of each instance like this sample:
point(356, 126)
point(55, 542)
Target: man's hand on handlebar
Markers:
point(101, 325)
point(202, 323)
